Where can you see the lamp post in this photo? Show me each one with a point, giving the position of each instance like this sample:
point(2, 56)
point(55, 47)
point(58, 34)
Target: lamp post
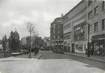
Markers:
point(30, 47)
point(88, 50)
point(88, 25)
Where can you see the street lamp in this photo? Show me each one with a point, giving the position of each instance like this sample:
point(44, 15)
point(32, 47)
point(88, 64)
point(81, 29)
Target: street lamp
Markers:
point(88, 50)
point(30, 46)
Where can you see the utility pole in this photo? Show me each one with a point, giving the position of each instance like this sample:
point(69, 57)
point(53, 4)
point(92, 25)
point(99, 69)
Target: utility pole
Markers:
point(30, 46)
point(88, 50)
point(88, 29)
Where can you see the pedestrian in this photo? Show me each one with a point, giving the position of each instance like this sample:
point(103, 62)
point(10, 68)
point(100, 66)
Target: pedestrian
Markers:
point(92, 51)
point(88, 52)
point(36, 50)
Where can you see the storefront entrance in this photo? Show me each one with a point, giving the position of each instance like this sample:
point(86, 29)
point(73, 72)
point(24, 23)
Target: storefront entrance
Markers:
point(98, 44)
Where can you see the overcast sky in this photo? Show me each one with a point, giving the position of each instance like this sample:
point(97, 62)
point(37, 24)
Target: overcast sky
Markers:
point(15, 13)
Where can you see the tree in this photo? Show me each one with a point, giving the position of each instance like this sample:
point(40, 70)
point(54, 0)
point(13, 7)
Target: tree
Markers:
point(4, 44)
point(14, 41)
point(31, 30)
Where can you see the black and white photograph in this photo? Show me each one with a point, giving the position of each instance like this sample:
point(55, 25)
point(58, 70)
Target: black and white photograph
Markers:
point(52, 36)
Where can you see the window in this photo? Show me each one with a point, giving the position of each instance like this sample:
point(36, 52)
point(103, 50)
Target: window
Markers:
point(103, 24)
point(67, 26)
point(90, 14)
point(89, 2)
point(96, 10)
point(67, 35)
point(103, 5)
point(96, 27)
point(90, 28)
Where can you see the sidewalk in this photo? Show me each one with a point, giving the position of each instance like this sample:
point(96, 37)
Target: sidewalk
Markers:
point(27, 56)
point(95, 58)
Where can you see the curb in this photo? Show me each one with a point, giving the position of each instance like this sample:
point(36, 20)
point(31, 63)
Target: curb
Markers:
point(85, 57)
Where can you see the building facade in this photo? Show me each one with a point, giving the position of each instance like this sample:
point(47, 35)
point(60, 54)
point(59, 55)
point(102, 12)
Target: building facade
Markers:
point(83, 27)
point(96, 21)
point(75, 28)
point(56, 30)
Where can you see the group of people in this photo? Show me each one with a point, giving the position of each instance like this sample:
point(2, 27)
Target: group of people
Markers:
point(34, 50)
point(97, 50)
point(89, 52)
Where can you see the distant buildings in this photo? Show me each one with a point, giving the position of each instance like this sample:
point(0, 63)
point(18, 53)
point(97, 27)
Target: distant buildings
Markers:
point(83, 24)
point(33, 42)
point(47, 41)
point(24, 41)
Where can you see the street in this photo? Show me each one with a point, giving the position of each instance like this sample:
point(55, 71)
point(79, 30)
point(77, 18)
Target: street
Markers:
point(50, 63)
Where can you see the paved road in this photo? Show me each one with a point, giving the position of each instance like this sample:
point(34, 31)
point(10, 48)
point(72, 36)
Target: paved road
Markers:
point(91, 63)
point(50, 63)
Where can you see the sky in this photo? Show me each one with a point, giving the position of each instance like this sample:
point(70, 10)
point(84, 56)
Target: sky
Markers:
point(15, 14)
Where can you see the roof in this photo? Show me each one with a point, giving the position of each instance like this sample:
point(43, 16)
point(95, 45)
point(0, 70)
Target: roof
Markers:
point(57, 20)
point(74, 8)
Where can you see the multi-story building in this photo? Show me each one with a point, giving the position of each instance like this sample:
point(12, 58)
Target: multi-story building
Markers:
point(84, 24)
point(83, 27)
point(75, 28)
point(56, 31)
point(96, 21)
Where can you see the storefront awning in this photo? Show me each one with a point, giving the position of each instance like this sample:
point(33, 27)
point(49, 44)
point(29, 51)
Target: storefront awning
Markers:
point(98, 37)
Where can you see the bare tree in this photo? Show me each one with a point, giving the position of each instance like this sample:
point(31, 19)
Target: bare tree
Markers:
point(31, 30)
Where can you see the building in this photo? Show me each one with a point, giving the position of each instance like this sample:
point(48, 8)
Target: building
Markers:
point(56, 32)
point(83, 27)
point(96, 21)
point(75, 28)
point(47, 41)
point(23, 41)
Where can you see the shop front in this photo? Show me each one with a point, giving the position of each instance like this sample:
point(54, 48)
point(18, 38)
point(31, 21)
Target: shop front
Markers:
point(98, 44)
point(80, 46)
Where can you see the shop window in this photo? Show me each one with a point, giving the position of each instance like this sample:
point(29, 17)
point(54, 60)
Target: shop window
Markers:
point(103, 24)
point(67, 26)
point(103, 5)
point(96, 10)
point(67, 35)
point(90, 30)
point(96, 27)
